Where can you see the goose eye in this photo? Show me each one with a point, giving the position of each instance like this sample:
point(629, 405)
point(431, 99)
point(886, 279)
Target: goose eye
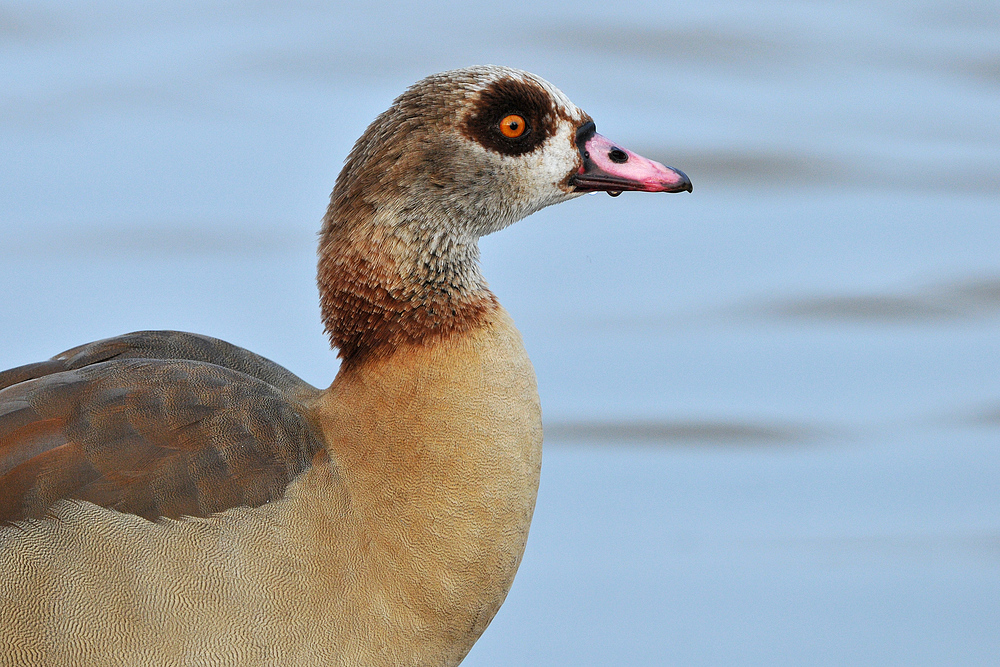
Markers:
point(513, 126)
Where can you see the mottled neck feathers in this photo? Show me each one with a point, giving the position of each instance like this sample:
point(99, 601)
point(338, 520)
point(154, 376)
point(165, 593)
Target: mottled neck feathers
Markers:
point(378, 292)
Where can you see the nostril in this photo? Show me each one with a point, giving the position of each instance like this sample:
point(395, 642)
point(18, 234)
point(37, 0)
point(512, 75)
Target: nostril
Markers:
point(617, 155)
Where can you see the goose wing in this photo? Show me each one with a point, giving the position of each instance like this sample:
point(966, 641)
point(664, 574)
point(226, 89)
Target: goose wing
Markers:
point(158, 424)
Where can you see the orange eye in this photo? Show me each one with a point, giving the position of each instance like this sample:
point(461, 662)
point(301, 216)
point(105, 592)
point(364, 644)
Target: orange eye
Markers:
point(513, 126)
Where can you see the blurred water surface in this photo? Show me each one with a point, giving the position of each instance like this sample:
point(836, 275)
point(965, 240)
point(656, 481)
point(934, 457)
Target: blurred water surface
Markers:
point(772, 406)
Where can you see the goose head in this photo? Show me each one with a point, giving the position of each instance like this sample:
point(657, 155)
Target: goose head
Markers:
point(459, 155)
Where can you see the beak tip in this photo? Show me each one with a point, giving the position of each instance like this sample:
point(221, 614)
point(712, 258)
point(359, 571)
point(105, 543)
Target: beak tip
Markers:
point(684, 184)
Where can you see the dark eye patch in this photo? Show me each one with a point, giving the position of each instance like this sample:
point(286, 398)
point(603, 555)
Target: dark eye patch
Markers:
point(511, 96)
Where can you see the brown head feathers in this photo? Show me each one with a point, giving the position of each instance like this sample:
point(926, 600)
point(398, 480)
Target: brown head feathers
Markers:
point(398, 256)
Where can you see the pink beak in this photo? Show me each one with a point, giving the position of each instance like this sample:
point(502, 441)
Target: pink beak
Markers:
point(612, 169)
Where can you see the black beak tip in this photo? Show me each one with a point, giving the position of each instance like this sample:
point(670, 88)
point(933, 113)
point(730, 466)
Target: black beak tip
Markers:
point(685, 184)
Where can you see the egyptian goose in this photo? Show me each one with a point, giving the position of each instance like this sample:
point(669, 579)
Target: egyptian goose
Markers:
point(171, 499)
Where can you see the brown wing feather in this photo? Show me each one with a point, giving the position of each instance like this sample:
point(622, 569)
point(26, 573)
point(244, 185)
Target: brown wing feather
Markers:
point(153, 437)
point(163, 345)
